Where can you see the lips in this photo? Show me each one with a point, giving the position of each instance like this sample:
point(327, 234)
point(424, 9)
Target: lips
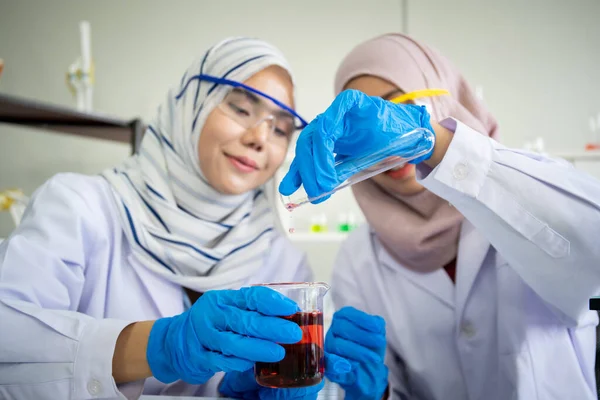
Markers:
point(244, 164)
point(400, 173)
point(246, 161)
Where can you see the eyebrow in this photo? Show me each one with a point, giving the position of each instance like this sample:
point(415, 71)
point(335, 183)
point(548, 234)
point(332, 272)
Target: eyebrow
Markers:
point(251, 96)
point(391, 94)
point(255, 99)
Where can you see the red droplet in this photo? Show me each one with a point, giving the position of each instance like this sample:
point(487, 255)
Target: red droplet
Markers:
point(292, 230)
point(291, 206)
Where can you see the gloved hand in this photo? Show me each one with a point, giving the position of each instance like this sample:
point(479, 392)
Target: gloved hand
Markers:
point(242, 385)
point(359, 338)
point(354, 125)
point(225, 330)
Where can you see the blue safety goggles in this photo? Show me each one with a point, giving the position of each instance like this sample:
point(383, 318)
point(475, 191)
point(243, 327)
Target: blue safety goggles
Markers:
point(301, 122)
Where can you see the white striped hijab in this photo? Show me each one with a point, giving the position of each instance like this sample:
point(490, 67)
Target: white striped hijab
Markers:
point(178, 225)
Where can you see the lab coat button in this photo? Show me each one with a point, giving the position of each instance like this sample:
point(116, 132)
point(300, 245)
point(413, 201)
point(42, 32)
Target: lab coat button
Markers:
point(94, 387)
point(461, 171)
point(467, 329)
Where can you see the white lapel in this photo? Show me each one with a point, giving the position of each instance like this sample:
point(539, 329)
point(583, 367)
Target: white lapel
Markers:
point(472, 249)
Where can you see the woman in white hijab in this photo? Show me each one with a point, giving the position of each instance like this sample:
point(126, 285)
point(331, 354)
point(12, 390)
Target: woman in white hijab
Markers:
point(99, 283)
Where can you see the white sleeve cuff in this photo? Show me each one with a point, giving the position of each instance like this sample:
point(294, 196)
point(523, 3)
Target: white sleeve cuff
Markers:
point(93, 362)
point(465, 166)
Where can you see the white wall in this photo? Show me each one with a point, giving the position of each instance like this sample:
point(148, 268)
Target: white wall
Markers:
point(537, 60)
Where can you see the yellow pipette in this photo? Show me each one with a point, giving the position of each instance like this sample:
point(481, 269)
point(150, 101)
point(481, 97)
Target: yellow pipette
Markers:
point(418, 94)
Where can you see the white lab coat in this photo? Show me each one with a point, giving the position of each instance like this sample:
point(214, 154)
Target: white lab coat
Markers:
point(516, 324)
point(69, 285)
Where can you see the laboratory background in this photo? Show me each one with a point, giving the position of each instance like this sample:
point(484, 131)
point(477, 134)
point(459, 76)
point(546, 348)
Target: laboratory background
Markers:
point(536, 64)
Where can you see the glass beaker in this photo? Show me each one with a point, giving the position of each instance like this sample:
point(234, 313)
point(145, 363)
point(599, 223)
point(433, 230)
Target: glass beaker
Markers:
point(304, 362)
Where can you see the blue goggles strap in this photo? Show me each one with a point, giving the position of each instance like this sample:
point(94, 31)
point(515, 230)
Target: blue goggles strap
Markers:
point(223, 81)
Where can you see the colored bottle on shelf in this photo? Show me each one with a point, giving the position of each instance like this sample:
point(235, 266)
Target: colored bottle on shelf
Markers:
point(347, 222)
point(318, 223)
point(594, 143)
point(343, 225)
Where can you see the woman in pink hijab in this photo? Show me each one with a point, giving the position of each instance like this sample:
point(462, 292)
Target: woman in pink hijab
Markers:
point(480, 259)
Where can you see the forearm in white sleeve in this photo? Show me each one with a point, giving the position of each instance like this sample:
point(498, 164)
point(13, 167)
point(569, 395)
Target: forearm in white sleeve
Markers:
point(541, 215)
point(51, 354)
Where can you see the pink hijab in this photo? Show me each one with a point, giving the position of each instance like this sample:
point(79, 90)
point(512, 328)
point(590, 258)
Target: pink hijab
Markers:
point(421, 231)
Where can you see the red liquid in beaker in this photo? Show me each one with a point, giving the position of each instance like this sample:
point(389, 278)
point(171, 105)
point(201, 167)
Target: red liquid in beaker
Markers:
point(304, 362)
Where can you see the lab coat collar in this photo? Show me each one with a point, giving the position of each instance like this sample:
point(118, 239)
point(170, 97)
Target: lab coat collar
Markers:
point(436, 283)
point(472, 250)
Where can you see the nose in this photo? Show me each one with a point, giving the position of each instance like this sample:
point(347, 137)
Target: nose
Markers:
point(257, 136)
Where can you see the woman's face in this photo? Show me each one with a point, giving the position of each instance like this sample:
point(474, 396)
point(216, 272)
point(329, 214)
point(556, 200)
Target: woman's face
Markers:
point(236, 159)
point(401, 181)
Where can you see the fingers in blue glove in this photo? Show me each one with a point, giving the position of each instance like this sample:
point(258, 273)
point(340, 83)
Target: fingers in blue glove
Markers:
point(226, 363)
point(174, 352)
point(346, 378)
point(238, 384)
point(369, 383)
point(338, 369)
point(250, 312)
point(368, 322)
point(353, 332)
point(303, 170)
point(246, 348)
point(239, 328)
point(360, 339)
point(291, 181)
point(336, 364)
point(343, 102)
point(256, 325)
point(350, 350)
point(262, 299)
point(364, 381)
point(313, 166)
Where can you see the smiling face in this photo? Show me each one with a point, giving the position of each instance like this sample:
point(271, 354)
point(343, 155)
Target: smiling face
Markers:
point(400, 181)
point(245, 139)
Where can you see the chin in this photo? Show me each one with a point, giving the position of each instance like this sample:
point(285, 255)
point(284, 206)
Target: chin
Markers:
point(225, 186)
point(405, 186)
point(233, 190)
point(235, 186)
point(410, 188)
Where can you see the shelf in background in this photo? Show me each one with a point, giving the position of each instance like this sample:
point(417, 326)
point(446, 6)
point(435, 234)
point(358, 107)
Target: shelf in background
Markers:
point(36, 114)
point(325, 237)
point(578, 155)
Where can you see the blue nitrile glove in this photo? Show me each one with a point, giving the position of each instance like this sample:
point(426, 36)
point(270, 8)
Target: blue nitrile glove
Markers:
point(354, 125)
point(242, 385)
point(359, 338)
point(225, 330)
